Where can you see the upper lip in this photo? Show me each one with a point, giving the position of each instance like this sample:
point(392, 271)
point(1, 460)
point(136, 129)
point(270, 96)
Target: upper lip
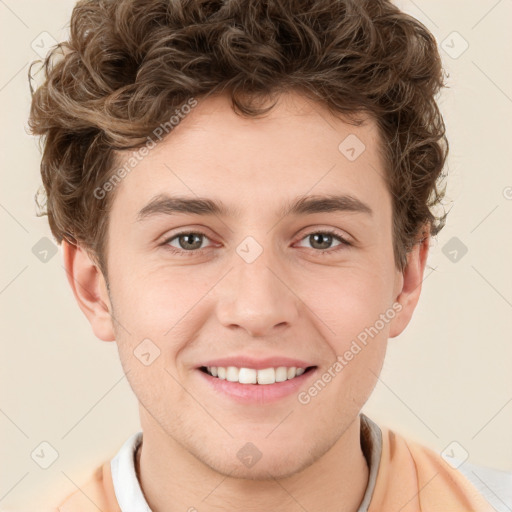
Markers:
point(257, 364)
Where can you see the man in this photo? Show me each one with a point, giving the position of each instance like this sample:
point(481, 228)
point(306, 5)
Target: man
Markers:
point(244, 195)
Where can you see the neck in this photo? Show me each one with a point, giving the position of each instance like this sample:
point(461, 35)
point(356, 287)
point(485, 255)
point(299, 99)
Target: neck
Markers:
point(173, 480)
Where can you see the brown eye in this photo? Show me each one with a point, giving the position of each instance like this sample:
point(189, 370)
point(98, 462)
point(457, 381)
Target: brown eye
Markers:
point(322, 240)
point(187, 242)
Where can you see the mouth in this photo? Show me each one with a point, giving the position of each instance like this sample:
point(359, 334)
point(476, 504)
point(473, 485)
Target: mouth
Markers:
point(257, 377)
point(255, 387)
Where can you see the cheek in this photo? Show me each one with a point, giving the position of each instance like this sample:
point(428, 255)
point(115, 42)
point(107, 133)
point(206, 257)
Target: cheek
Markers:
point(164, 305)
point(347, 303)
point(355, 315)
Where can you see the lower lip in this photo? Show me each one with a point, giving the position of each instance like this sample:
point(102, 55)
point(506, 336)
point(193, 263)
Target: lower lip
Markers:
point(257, 393)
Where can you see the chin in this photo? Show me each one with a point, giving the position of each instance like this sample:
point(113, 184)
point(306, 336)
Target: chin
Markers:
point(251, 464)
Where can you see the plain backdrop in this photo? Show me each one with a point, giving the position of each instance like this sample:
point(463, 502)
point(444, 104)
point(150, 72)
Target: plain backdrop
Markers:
point(446, 378)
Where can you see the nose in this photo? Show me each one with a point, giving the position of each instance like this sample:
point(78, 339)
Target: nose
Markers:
point(256, 297)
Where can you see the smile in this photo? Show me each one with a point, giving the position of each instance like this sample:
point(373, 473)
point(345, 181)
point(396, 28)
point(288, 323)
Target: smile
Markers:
point(253, 376)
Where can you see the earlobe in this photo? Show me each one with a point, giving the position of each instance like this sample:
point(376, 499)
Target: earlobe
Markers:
point(411, 281)
point(89, 288)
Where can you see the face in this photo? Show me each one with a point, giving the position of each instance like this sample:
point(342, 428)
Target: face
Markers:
point(255, 278)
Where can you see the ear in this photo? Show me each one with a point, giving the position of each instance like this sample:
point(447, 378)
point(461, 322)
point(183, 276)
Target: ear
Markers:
point(90, 290)
point(409, 283)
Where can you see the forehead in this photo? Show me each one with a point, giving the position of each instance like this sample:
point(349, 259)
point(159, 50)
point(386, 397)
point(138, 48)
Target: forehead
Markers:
point(298, 148)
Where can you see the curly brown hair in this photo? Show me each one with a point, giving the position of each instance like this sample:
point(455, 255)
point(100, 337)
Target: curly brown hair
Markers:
point(129, 64)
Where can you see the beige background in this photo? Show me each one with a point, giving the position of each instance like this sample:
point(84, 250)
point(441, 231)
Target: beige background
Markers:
point(446, 378)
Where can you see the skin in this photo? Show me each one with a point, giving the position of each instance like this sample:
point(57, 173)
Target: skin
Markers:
point(291, 301)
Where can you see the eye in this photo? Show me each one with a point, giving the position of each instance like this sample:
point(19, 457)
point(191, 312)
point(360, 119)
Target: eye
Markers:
point(321, 240)
point(189, 243)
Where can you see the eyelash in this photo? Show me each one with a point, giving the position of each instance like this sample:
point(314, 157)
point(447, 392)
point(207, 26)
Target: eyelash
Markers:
point(182, 252)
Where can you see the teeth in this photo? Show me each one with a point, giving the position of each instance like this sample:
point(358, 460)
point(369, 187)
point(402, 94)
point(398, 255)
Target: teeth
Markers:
point(251, 376)
point(232, 374)
point(246, 376)
point(281, 374)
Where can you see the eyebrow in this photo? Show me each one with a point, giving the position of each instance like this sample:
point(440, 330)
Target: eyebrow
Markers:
point(305, 205)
